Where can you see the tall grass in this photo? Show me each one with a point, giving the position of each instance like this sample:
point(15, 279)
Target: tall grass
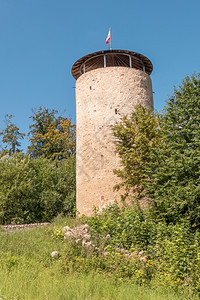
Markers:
point(27, 272)
point(25, 284)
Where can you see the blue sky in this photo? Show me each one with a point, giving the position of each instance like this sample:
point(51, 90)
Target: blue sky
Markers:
point(41, 39)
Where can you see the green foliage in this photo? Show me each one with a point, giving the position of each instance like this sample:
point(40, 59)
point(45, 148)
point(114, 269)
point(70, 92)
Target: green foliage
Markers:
point(27, 271)
point(17, 199)
point(51, 137)
point(113, 264)
point(174, 168)
point(170, 253)
point(135, 136)
point(160, 155)
point(127, 227)
point(11, 136)
point(176, 256)
point(56, 186)
point(34, 190)
point(9, 261)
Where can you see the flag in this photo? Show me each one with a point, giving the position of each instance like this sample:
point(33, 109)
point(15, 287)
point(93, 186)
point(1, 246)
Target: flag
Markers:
point(108, 37)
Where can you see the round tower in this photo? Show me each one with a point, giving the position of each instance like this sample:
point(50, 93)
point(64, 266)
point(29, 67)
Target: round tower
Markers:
point(109, 84)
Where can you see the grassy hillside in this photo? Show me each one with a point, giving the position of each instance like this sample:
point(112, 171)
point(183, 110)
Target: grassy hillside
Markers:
point(28, 272)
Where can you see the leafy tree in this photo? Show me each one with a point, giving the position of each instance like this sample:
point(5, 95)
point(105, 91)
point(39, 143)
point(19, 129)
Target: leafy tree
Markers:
point(51, 136)
point(4, 153)
point(56, 186)
point(18, 197)
point(11, 136)
point(174, 168)
point(34, 190)
point(59, 143)
point(135, 136)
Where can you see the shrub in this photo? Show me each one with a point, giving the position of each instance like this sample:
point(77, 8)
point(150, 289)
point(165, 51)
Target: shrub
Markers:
point(139, 249)
point(34, 190)
point(127, 227)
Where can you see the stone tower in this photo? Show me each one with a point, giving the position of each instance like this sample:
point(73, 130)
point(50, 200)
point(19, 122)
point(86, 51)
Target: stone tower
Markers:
point(109, 83)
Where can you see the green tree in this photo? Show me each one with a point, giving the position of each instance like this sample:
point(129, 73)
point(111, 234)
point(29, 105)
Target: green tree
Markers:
point(134, 138)
point(174, 168)
point(11, 136)
point(51, 136)
point(34, 190)
point(18, 193)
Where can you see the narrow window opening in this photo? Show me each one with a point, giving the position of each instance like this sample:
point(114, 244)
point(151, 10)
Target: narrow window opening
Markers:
point(116, 112)
point(90, 87)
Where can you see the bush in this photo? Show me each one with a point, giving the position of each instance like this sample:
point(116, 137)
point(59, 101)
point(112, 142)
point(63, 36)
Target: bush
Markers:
point(34, 190)
point(127, 227)
point(139, 249)
point(176, 256)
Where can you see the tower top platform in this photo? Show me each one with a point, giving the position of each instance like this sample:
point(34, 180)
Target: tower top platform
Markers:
point(111, 58)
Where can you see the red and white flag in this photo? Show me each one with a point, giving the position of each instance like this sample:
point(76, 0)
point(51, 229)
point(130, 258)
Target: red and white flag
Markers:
point(108, 37)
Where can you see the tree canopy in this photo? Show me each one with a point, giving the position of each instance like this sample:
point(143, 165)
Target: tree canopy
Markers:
point(11, 136)
point(161, 154)
point(174, 171)
point(40, 184)
point(134, 138)
point(51, 136)
point(34, 190)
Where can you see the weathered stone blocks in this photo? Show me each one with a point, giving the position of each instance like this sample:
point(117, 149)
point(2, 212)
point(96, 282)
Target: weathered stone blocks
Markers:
point(102, 95)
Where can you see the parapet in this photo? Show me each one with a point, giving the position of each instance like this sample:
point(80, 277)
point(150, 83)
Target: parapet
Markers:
point(111, 58)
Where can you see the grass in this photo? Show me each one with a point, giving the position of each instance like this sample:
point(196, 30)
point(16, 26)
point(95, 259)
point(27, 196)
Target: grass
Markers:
point(27, 272)
point(49, 285)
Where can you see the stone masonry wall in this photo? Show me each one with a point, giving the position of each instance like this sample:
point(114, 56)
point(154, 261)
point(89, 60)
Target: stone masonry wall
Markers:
point(101, 96)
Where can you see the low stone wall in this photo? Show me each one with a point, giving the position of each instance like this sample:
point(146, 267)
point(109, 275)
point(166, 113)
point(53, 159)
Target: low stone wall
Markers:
point(23, 226)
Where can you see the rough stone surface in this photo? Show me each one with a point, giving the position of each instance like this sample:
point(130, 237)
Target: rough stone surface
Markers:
point(22, 226)
point(101, 96)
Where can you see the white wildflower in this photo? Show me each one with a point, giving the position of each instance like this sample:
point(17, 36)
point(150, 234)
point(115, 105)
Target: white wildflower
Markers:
point(55, 254)
point(66, 228)
point(85, 228)
point(86, 237)
point(88, 244)
point(69, 234)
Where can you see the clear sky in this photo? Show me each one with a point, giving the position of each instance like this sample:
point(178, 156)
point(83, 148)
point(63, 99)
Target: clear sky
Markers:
point(41, 39)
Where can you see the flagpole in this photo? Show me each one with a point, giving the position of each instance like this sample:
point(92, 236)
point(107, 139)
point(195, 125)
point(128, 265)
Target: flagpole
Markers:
point(110, 40)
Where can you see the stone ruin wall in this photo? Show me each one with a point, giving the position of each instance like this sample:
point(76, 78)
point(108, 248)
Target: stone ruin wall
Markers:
point(101, 96)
